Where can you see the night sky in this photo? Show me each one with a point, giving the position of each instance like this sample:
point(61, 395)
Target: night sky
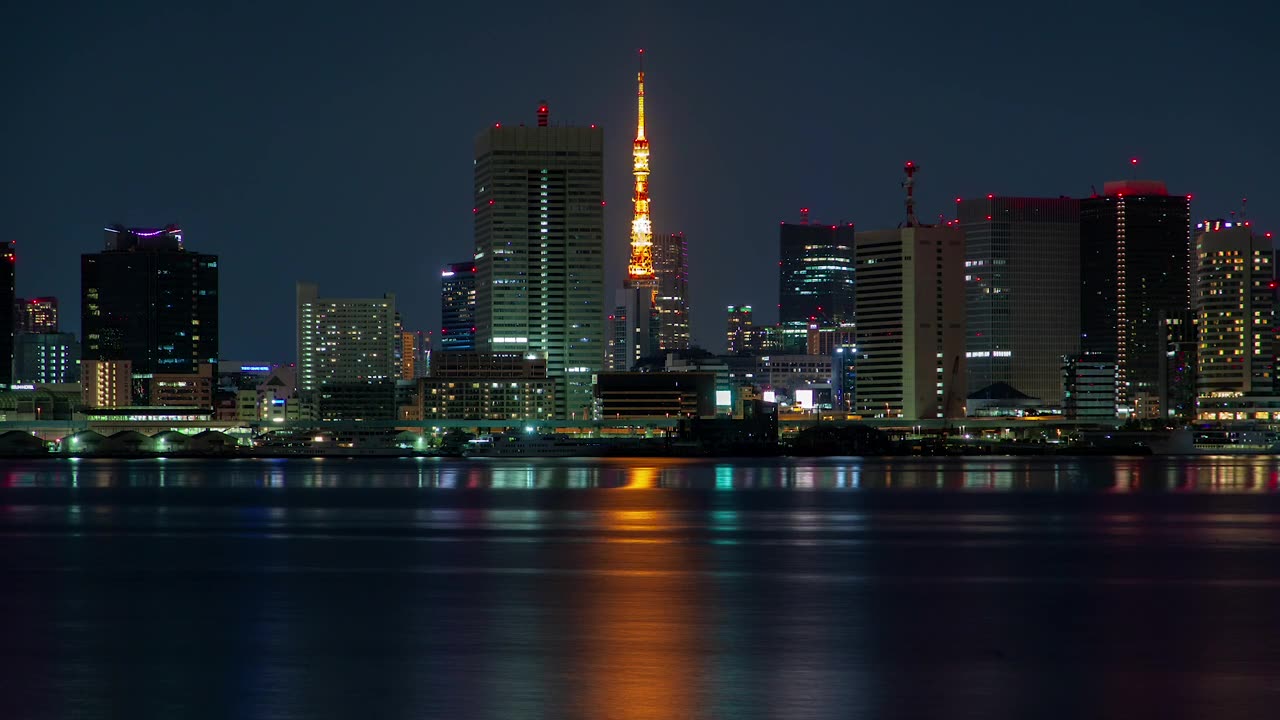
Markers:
point(333, 142)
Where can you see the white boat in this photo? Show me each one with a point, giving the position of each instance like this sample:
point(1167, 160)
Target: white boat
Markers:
point(530, 445)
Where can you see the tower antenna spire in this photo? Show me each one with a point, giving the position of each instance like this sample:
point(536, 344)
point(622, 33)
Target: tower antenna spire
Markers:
point(910, 183)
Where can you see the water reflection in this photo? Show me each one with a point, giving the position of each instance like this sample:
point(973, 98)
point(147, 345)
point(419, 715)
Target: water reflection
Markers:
point(1247, 474)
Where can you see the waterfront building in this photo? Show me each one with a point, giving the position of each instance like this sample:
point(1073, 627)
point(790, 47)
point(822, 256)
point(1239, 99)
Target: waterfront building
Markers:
point(1178, 364)
point(631, 395)
point(186, 390)
point(1089, 387)
point(35, 315)
point(1022, 292)
point(910, 328)
point(539, 230)
point(147, 299)
point(1235, 311)
point(472, 385)
point(458, 306)
point(1135, 263)
point(815, 279)
point(784, 374)
point(46, 358)
point(106, 384)
point(346, 355)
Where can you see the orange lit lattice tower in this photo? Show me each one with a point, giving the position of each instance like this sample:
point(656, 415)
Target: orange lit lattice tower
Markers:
point(640, 267)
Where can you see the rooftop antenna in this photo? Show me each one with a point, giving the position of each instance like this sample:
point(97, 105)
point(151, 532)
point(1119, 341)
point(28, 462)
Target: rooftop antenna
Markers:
point(910, 169)
point(543, 113)
point(1244, 209)
point(804, 216)
point(1133, 168)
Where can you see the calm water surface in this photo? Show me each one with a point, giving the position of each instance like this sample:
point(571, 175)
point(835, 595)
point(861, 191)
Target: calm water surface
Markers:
point(835, 588)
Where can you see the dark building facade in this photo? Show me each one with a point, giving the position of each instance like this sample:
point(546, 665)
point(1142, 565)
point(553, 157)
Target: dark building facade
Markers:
point(655, 395)
point(815, 279)
point(458, 306)
point(1135, 264)
point(46, 358)
point(1022, 292)
point(8, 266)
point(671, 266)
point(148, 300)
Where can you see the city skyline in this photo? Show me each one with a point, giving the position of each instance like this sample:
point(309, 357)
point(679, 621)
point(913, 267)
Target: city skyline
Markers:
point(239, 171)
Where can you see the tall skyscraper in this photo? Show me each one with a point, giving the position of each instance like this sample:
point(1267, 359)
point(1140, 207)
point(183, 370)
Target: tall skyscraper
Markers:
point(1022, 292)
point(147, 299)
point(671, 265)
point(36, 315)
point(636, 324)
point(739, 330)
point(910, 330)
point(815, 279)
point(1135, 254)
point(1235, 312)
point(346, 355)
point(458, 306)
point(8, 266)
point(539, 229)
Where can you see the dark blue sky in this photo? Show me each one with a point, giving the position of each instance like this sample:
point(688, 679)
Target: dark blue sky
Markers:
point(332, 142)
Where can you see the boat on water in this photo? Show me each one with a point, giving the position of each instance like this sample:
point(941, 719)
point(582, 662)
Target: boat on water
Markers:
point(530, 445)
point(1221, 440)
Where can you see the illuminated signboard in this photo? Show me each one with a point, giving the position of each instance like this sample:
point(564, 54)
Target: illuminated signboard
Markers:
point(804, 398)
point(255, 368)
point(724, 398)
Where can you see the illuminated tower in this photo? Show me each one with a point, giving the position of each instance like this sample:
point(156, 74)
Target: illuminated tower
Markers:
point(640, 268)
point(634, 325)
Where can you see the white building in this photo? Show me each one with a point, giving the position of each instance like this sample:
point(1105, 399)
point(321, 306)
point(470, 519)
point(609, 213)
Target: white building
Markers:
point(910, 307)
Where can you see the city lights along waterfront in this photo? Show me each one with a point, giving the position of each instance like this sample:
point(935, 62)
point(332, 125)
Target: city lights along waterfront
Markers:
point(963, 588)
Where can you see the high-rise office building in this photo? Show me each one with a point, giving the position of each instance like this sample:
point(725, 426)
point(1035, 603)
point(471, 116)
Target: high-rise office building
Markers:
point(815, 279)
point(8, 267)
point(539, 229)
point(910, 329)
point(147, 299)
point(1135, 260)
point(458, 306)
point(1235, 311)
point(45, 358)
point(1022, 292)
point(346, 355)
point(671, 265)
point(36, 315)
point(739, 330)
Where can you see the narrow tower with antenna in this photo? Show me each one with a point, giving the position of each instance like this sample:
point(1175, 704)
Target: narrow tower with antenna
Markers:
point(640, 267)
point(909, 183)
